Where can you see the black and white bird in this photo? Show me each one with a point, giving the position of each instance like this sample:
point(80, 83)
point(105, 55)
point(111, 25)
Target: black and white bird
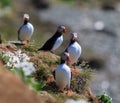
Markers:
point(26, 30)
point(55, 41)
point(74, 49)
point(63, 73)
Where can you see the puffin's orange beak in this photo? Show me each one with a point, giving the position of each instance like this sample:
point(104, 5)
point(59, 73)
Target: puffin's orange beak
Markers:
point(64, 31)
point(68, 60)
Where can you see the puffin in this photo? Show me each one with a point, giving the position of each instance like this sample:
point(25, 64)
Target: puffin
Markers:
point(63, 73)
point(55, 41)
point(26, 30)
point(74, 49)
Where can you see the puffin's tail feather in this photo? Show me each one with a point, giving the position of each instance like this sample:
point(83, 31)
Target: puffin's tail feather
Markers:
point(39, 49)
point(42, 48)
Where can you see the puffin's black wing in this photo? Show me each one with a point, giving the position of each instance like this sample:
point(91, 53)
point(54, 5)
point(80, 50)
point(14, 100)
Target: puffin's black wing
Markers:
point(49, 44)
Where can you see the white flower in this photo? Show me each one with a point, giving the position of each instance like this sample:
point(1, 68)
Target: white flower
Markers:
point(15, 59)
point(18, 52)
point(8, 54)
point(20, 60)
point(76, 101)
point(27, 67)
point(24, 58)
point(9, 64)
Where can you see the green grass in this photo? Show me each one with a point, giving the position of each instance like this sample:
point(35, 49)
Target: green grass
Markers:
point(104, 98)
point(91, 3)
point(80, 81)
point(30, 80)
point(42, 74)
point(4, 3)
point(28, 48)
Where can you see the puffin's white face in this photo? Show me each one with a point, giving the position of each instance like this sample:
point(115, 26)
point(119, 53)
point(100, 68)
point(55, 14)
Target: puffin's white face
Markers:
point(61, 29)
point(26, 17)
point(74, 36)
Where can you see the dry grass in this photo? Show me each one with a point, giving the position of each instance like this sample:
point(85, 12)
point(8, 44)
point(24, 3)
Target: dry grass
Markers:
point(80, 81)
point(44, 62)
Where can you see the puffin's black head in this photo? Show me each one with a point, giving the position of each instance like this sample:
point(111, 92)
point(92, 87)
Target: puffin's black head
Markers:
point(73, 36)
point(61, 29)
point(26, 18)
point(65, 57)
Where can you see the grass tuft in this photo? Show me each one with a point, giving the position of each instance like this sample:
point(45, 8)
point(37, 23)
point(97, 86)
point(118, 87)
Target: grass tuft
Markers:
point(80, 81)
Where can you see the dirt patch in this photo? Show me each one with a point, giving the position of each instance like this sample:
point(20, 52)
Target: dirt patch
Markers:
point(12, 89)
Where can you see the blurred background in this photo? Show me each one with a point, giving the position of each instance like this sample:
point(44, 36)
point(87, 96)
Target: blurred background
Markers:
point(96, 21)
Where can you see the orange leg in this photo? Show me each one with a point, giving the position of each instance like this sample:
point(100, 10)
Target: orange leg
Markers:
point(27, 43)
point(75, 69)
point(69, 93)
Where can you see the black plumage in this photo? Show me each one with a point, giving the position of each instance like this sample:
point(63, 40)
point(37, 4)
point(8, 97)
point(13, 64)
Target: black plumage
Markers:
point(50, 42)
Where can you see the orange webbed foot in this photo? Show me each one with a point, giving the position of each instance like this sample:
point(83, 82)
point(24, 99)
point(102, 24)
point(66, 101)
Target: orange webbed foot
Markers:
point(75, 70)
point(69, 93)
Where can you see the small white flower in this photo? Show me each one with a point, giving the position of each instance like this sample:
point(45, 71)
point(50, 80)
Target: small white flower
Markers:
point(9, 64)
point(27, 67)
point(76, 101)
point(16, 59)
point(24, 58)
point(20, 60)
point(18, 52)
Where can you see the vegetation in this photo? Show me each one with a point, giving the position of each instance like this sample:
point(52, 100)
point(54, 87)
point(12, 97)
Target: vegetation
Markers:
point(5, 3)
point(40, 80)
point(104, 98)
point(97, 3)
point(30, 80)
point(80, 81)
point(36, 86)
point(46, 62)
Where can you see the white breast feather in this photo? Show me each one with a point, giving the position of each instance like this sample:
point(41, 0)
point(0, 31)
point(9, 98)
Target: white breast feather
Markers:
point(58, 43)
point(63, 76)
point(74, 51)
point(26, 31)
